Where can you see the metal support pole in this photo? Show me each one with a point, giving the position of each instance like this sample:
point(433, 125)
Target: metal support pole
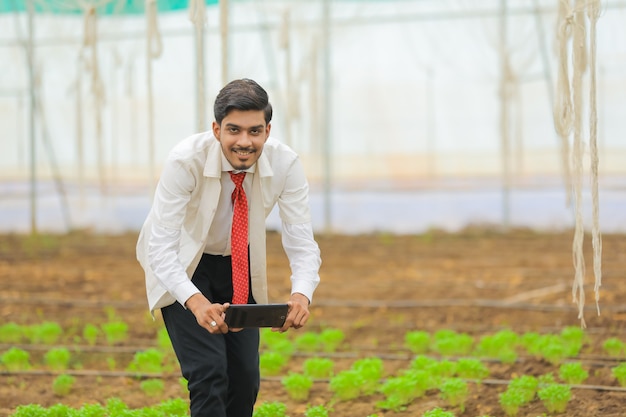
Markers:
point(327, 119)
point(224, 36)
point(30, 54)
point(504, 117)
point(201, 111)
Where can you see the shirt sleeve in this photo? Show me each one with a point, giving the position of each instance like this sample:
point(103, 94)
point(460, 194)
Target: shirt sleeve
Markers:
point(304, 257)
point(297, 237)
point(171, 199)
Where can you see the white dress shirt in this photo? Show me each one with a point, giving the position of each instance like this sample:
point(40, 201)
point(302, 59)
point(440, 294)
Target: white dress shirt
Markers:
point(192, 214)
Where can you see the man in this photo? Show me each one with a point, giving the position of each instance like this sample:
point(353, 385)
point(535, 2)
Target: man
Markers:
point(186, 242)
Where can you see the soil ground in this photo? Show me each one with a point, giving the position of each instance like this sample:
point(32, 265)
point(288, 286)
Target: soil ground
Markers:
point(374, 287)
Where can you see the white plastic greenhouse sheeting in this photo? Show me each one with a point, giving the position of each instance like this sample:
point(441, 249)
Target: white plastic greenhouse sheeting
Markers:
point(414, 92)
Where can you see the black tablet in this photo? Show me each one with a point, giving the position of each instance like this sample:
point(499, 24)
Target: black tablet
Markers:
point(256, 315)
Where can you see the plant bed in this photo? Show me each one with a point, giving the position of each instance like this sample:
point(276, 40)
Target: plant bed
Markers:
point(374, 288)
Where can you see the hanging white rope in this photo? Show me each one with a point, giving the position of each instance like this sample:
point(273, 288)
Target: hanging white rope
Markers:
point(568, 112)
point(90, 43)
point(579, 67)
point(593, 11)
point(155, 43)
point(563, 98)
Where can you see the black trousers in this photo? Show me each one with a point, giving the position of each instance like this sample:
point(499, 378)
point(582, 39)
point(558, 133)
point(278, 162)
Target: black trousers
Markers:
point(222, 370)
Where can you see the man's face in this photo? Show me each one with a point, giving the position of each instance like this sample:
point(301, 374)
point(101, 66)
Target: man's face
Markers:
point(242, 135)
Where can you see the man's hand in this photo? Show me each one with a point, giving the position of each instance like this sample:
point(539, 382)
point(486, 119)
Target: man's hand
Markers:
point(208, 315)
point(298, 313)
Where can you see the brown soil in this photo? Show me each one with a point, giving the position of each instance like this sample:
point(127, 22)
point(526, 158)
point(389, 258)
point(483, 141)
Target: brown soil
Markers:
point(374, 287)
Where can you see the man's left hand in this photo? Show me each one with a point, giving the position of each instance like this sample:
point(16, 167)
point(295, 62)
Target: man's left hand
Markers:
point(298, 313)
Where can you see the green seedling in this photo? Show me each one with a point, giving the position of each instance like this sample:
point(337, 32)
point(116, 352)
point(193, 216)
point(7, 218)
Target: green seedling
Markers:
point(573, 334)
point(422, 362)
point(115, 407)
point(619, 372)
point(555, 397)
point(453, 344)
point(420, 380)
point(331, 339)
point(392, 402)
point(173, 407)
point(63, 384)
point(16, 359)
point(573, 373)
point(551, 348)
point(555, 353)
point(271, 409)
point(29, 410)
point(163, 340)
point(346, 385)
point(317, 411)
point(60, 410)
point(11, 333)
point(529, 341)
point(297, 386)
point(269, 338)
point(402, 390)
point(471, 368)
point(57, 359)
point(184, 385)
point(443, 369)
point(501, 345)
point(370, 371)
point(271, 363)
point(613, 346)
point(153, 387)
point(526, 385)
point(308, 342)
point(511, 400)
point(319, 367)
point(90, 334)
point(47, 333)
point(115, 332)
point(455, 391)
point(417, 342)
point(283, 346)
point(546, 379)
point(91, 410)
point(149, 361)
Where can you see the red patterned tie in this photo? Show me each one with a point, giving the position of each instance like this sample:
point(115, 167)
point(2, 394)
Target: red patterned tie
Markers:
point(239, 240)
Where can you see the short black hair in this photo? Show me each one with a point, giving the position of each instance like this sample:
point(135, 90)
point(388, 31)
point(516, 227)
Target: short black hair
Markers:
point(243, 94)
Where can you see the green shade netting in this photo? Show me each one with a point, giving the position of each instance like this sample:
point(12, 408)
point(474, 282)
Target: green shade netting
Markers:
point(107, 7)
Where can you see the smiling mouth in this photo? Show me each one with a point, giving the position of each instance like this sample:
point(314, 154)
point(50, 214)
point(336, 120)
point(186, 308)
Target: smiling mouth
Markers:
point(243, 152)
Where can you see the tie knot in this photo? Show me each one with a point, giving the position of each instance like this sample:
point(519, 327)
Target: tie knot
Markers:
point(237, 177)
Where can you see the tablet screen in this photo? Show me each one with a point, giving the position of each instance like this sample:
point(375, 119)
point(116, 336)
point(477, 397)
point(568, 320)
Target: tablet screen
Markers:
point(256, 315)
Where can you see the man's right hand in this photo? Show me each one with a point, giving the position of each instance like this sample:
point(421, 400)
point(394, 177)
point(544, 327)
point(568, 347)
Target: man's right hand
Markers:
point(208, 315)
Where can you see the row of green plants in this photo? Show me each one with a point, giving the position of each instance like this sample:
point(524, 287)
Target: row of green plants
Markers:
point(365, 377)
point(152, 360)
point(279, 409)
point(451, 379)
point(447, 377)
point(114, 407)
point(51, 333)
point(504, 345)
